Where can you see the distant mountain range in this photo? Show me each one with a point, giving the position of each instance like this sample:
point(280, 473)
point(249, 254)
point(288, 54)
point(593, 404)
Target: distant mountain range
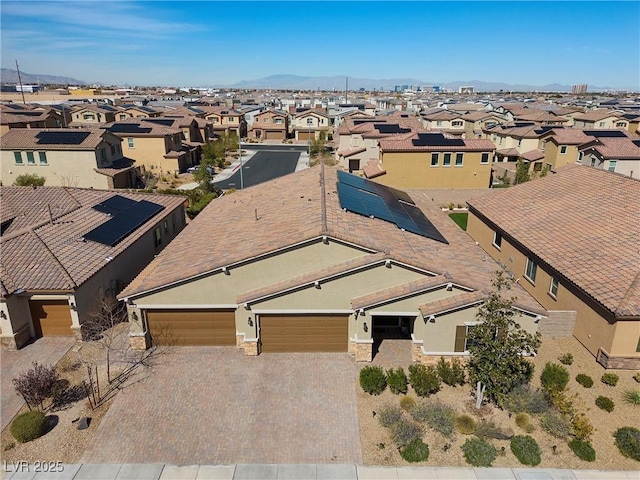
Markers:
point(11, 76)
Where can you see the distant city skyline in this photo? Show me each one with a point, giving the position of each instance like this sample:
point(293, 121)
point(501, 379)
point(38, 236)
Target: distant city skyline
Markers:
point(190, 43)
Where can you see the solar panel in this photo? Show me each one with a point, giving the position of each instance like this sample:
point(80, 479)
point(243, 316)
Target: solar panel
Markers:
point(436, 140)
point(128, 128)
point(357, 182)
point(390, 128)
point(115, 204)
point(61, 138)
point(605, 133)
point(161, 121)
point(108, 108)
point(123, 223)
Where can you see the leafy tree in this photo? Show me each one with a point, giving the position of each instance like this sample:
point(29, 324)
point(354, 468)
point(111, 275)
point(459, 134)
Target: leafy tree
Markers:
point(28, 180)
point(522, 171)
point(317, 145)
point(498, 345)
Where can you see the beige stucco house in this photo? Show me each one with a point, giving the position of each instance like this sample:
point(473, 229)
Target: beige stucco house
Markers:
point(307, 271)
point(270, 125)
point(601, 118)
point(309, 123)
point(94, 114)
point(13, 115)
point(614, 150)
point(571, 240)
point(66, 254)
point(79, 157)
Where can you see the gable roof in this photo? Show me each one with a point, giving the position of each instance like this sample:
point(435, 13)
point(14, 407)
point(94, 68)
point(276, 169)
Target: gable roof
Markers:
point(32, 138)
point(597, 115)
point(588, 234)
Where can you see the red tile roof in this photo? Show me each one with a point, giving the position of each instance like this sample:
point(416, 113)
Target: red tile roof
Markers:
point(588, 233)
point(27, 138)
point(404, 143)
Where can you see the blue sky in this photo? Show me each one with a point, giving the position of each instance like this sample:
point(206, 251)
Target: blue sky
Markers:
point(183, 43)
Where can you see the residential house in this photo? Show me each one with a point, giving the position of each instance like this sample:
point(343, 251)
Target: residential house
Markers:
point(270, 124)
point(311, 271)
point(67, 252)
point(559, 147)
point(512, 140)
point(94, 114)
point(225, 120)
point(475, 122)
point(443, 121)
point(154, 146)
point(136, 111)
point(601, 118)
point(614, 150)
point(434, 160)
point(82, 157)
point(13, 115)
point(571, 241)
point(309, 123)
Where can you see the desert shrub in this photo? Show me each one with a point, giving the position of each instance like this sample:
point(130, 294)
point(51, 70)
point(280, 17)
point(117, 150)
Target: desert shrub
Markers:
point(566, 359)
point(29, 180)
point(585, 380)
point(583, 450)
point(451, 373)
point(397, 380)
point(424, 380)
point(555, 425)
point(581, 426)
point(407, 403)
point(526, 450)
point(554, 377)
point(405, 431)
point(489, 429)
point(631, 396)
point(605, 403)
point(524, 399)
point(373, 380)
point(479, 452)
point(437, 415)
point(389, 415)
point(416, 451)
point(29, 426)
point(628, 442)
point(523, 419)
point(466, 424)
point(610, 379)
point(36, 384)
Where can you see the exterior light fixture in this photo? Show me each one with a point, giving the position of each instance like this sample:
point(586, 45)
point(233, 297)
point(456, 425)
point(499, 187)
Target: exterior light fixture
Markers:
point(3, 315)
point(250, 321)
point(72, 306)
point(134, 316)
point(432, 319)
point(365, 327)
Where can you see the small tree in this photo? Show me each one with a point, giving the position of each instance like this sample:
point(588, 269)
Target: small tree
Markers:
point(36, 384)
point(29, 180)
point(522, 171)
point(498, 345)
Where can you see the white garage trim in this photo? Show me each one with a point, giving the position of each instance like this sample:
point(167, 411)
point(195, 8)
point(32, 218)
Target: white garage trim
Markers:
point(181, 306)
point(295, 312)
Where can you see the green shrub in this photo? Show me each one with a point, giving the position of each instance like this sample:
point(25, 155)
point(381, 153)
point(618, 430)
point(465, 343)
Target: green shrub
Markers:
point(523, 420)
point(29, 426)
point(407, 403)
point(566, 359)
point(437, 415)
point(555, 425)
point(404, 431)
point(582, 428)
point(416, 451)
point(554, 377)
point(489, 429)
point(29, 180)
point(628, 442)
point(389, 415)
point(605, 403)
point(451, 373)
point(466, 424)
point(478, 452)
point(397, 380)
point(585, 380)
point(526, 450)
point(524, 399)
point(610, 379)
point(424, 380)
point(373, 380)
point(583, 450)
point(631, 396)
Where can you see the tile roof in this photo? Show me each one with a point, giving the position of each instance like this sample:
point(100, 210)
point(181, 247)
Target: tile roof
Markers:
point(121, 165)
point(27, 138)
point(451, 303)
point(621, 148)
point(588, 234)
point(38, 254)
point(350, 152)
point(373, 169)
point(157, 130)
point(404, 143)
point(399, 291)
point(533, 155)
point(567, 136)
point(596, 115)
point(301, 207)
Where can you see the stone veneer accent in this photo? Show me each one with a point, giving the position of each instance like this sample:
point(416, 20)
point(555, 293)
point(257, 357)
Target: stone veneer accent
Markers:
point(250, 347)
point(416, 350)
point(138, 342)
point(18, 340)
point(364, 352)
point(619, 362)
point(352, 347)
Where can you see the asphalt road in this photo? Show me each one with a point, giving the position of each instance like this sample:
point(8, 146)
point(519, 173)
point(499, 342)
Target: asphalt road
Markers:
point(262, 167)
point(275, 147)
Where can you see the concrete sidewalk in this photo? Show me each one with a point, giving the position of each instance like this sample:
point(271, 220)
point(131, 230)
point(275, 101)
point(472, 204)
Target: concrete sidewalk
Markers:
point(299, 472)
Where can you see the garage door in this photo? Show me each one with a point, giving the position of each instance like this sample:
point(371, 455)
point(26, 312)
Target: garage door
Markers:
point(51, 318)
point(304, 135)
point(304, 333)
point(192, 327)
point(274, 135)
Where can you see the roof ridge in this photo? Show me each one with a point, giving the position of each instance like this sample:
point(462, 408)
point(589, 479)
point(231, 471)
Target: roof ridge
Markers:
point(634, 289)
point(323, 197)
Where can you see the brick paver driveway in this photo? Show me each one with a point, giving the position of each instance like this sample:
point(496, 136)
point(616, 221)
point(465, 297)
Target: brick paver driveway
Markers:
point(213, 405)
point(46, 350)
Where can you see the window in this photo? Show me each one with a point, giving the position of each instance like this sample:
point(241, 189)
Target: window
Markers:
point(435, 159)
point(593, 162)
point(439, 123)
point(547, 167)
point(601, 124)
point(103, 154)
point(553, 288)
point(446, 161)
point(130, 142)
point(485, 158)
point(497, 240)
point(459, 157)
point(621, 125)
point(30, 159)
point(88, 116)
point(278, 121)
point(123, 117)
point(580, 157)
point(18, 158)
point(519, 142)
point(158, 237)
point(309, 121)
point(563, 149)
point(530, 271)
point(462, 341)
point(166, 226)
point(456, 123)
point(266, 120)
point(43, 158)
point(537, 167)
point(542, 145)
point(612, 165)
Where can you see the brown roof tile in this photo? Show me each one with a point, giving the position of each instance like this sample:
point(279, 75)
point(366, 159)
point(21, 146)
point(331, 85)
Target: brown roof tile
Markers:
point(399, 291)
